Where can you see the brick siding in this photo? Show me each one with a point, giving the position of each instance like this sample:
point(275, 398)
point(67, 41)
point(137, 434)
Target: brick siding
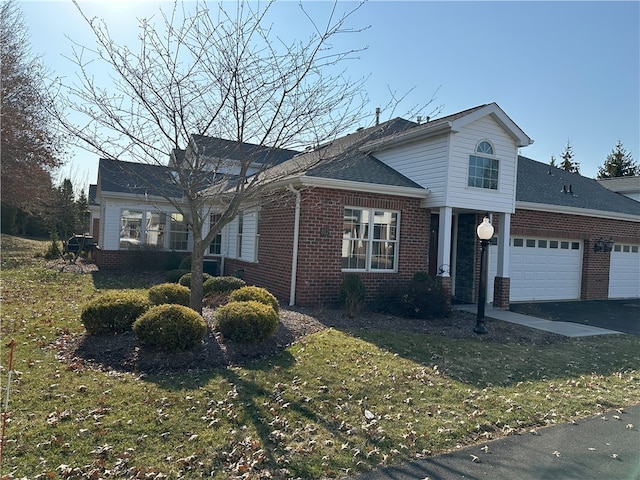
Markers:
point(319, 272)
point(595, 265)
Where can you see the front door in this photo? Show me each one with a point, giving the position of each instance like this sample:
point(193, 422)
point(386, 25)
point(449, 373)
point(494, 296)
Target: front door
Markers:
point(465, 258)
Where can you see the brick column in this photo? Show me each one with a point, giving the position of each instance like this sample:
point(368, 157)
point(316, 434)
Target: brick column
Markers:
point(501, 287)
point(595, 273)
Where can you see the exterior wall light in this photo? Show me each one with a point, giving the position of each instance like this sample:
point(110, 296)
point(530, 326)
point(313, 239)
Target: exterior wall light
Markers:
point(602, 245)
point(485, 233)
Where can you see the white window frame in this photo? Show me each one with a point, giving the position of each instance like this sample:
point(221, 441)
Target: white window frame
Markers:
point(367, 240)
point(175, 233)
point(476, 174)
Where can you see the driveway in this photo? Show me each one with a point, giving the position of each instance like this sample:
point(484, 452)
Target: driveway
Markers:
point(619, 315)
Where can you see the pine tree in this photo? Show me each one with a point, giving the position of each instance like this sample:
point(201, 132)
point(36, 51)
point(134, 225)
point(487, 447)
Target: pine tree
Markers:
point(552, 162)
point(568, 163)
point(619, 163)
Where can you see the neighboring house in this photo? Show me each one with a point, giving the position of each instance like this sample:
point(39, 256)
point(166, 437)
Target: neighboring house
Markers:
point(627, 186)
point(398, 198)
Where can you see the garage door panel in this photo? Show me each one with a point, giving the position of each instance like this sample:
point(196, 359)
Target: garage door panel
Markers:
point(624, 272)
point(541, 272)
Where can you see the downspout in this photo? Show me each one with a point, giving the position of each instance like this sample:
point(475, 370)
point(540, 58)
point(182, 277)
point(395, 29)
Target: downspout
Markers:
point(296, 236)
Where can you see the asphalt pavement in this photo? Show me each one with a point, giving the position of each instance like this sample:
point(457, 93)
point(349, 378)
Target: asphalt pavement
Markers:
point(619, 315)
point(604, 447)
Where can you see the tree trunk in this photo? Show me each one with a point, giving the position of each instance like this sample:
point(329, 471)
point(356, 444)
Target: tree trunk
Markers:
point(197, 256)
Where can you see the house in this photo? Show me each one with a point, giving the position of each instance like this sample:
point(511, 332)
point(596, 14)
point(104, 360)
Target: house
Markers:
point(394, 199)
point(627, 186)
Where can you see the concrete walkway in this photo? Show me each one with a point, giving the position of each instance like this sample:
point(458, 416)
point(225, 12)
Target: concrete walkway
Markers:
point(568, 329)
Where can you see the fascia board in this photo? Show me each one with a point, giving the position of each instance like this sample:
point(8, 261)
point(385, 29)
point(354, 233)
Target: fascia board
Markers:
point(585, 212)
point(415, 134)
point(134, 197)
point(355, 186)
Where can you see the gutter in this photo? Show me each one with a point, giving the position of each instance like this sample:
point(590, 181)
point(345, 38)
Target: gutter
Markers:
point(296, 238)
point(585, 212)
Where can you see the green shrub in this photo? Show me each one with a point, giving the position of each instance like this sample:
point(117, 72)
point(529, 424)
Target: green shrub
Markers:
point(222, 284)
point(185, 264)
point(186, 279)
point(422, 298)
point(246, 322)
point(174, 276)
point(170, 327)
point(173, 261)
point(352, 294)
point(169, 293)
point(113, 312)
point(258, 294)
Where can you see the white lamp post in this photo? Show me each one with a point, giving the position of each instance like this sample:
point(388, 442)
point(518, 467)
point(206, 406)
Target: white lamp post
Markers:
point(485, 232)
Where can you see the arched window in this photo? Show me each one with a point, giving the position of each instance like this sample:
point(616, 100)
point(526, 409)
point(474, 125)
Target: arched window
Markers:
point(483, 170)
point(484, 147)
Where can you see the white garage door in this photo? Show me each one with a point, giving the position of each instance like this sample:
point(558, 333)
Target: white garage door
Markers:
point(624, 272)
point(541, 269)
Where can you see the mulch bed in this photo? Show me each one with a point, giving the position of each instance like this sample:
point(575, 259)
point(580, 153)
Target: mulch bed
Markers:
point(122, 353)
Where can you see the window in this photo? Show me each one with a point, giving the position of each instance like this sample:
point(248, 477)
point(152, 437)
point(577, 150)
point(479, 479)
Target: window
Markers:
point(178, 232)
point(483, 170)
point(369, 239)
point(518, 242)
point(138, 228)
point(531, 243)
point(575, 245)
point(553, 244)
point(130, 229)
point(542, 244)
point(240, 228)
point(564, 245)
point(215, 247)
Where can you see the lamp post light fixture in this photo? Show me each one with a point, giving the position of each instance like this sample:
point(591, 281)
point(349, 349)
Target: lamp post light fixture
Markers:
point(484, 232)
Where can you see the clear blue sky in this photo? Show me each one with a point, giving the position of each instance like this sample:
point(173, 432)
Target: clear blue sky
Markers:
point(561, 70)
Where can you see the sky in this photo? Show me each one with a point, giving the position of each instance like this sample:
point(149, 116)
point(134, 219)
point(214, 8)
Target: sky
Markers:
point(562, 71)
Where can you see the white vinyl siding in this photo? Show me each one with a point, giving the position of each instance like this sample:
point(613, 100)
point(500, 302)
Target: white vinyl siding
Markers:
point(423, 162)
point(463, 144)
point(242, 244)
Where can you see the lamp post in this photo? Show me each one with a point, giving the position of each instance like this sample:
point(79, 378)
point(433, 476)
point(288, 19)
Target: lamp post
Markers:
point(485, 232)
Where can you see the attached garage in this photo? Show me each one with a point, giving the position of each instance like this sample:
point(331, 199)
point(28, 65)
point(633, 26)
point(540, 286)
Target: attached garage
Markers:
point(541, 269)
point(624, 272)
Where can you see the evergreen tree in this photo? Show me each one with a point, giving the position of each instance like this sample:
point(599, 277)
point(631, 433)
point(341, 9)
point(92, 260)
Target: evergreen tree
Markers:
point(552, 162)
point(568, 163)
point(619, 163)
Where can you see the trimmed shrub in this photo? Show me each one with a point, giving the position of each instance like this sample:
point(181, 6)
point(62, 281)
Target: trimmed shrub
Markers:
point(185, 264)
point(186, 279)
point(169, 293)
point(222, 284)
point(173, 261)
point(422, 298)
point(174, 276)
point(170, 327)
point(352, 294)
point(113, 312)
point(258, 294)
point(246, 322)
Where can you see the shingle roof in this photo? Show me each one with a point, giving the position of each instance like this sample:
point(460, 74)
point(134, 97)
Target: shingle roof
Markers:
point(221, 148)
point(136, 178)
point(540, 183)
point(618, 184)
point(344, 161)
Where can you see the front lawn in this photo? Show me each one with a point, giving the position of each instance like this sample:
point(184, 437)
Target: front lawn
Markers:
point(337, 402)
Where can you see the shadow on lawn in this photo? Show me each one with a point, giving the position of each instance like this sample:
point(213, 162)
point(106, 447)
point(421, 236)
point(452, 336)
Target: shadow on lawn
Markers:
point(482, 361)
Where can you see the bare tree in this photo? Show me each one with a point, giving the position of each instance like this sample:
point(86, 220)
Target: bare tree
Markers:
point(219, 73)
point(30, 145)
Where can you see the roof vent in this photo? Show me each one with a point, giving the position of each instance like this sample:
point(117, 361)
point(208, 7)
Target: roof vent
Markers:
point(419, 119)
point(377, 115)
